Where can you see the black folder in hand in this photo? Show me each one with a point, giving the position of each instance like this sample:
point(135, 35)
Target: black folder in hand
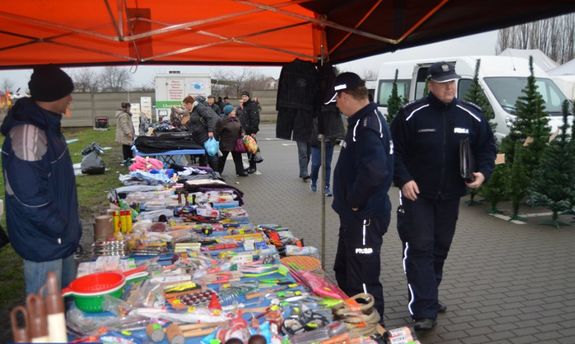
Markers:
point(466, 161)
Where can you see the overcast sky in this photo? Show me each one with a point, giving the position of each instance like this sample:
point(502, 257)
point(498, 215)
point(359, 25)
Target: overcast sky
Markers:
point(480, 44)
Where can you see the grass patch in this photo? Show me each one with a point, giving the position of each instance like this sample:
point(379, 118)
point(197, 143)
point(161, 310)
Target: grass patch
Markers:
point(92, 199)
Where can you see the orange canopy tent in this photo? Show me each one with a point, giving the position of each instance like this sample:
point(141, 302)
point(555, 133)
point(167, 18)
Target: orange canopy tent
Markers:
point(260, 32)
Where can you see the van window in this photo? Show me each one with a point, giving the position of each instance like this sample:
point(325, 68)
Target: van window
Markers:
point(507, 89)
point(463, 87)
point(421, 82)
point(385, 87)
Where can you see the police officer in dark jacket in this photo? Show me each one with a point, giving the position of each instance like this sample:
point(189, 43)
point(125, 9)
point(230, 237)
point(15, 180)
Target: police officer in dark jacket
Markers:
point(427, 134)
point(361, 181)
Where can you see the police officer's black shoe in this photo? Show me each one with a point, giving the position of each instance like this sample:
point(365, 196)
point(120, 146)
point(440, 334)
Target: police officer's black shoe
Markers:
point(425, 324)
point(441, 308)
point(251, 170)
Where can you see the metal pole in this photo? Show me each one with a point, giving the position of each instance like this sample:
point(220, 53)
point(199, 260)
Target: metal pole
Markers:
point(322, 190)
point(321, 138)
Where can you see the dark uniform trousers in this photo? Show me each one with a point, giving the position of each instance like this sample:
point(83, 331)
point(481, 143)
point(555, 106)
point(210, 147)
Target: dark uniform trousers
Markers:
point(426, 228)
point(357, 261)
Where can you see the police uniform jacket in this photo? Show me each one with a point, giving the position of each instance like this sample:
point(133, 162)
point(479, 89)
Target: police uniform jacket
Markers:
point(364, 170)
point(427, 134)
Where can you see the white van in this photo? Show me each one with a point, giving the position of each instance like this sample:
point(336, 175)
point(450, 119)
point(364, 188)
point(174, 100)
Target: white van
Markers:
point(501, 77)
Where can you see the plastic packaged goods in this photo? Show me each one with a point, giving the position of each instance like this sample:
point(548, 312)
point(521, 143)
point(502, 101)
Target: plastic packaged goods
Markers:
point(292, 250)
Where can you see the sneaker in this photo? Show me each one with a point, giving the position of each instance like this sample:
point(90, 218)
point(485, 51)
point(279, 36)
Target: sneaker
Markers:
point(313, 187)
point(327, 192)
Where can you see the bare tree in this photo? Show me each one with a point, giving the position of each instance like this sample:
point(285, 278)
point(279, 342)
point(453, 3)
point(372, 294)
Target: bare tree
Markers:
point(148, 86)
point(369, 74)
point(232, 84)
point(554, 36)
point(85, 80)
point(114, 79)
point(7, 85)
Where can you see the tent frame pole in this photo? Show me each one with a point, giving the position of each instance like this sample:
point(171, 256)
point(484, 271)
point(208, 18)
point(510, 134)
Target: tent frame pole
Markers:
point(322, 179)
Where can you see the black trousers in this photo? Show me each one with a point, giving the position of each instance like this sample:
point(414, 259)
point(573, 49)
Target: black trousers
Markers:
point(127, 152)
point(426, 228)
point(207, 159)
point(357, 261)
point(237, 161)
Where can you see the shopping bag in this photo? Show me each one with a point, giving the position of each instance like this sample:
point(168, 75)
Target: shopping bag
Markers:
point(257, 158)
point(212, 146)
point(239, 147)
point(250, 144)
point(91, 162)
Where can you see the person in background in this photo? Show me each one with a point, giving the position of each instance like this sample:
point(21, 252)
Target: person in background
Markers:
point(228, 130)
point(361, 181)
point(427, 135)
point(249, 116)
point(40, 187)
point(125, 132)
point(334, 132)
point(212, 104)
point(303, 157)
point(226, 101)
point(221, 104)
point(202, 124)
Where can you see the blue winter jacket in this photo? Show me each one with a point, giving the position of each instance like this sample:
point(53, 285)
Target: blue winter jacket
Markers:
point(41, 201)
point(364, 170)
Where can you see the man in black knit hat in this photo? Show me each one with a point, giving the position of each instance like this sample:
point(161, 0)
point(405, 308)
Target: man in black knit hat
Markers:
point(40, 189)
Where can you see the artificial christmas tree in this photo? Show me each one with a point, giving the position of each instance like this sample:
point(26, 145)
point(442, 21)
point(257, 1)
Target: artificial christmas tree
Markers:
point(518, 180)
point(553, 183)
point(395, 102)
point(495, 190)
point(528, 134)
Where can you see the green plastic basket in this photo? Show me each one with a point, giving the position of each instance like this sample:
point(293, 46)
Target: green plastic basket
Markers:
point(94, 303)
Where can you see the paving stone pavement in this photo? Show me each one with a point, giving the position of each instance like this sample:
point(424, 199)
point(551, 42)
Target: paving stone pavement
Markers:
point(503, 283)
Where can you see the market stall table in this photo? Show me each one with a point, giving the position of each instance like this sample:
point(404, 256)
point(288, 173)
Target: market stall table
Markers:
point(171, 156)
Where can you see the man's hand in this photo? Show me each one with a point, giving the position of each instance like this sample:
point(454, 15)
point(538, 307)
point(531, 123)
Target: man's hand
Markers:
point(479, 179)
point(410, 190)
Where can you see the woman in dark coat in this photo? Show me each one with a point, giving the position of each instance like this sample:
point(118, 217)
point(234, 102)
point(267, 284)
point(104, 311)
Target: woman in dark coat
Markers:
point(249, 116)
point(202, 125)
point(228, 130)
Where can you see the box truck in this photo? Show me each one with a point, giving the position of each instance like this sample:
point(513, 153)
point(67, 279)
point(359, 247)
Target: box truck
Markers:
point(502, 78)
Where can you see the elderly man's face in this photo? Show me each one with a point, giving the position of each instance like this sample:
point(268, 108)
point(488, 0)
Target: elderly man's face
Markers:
point(444, 91)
